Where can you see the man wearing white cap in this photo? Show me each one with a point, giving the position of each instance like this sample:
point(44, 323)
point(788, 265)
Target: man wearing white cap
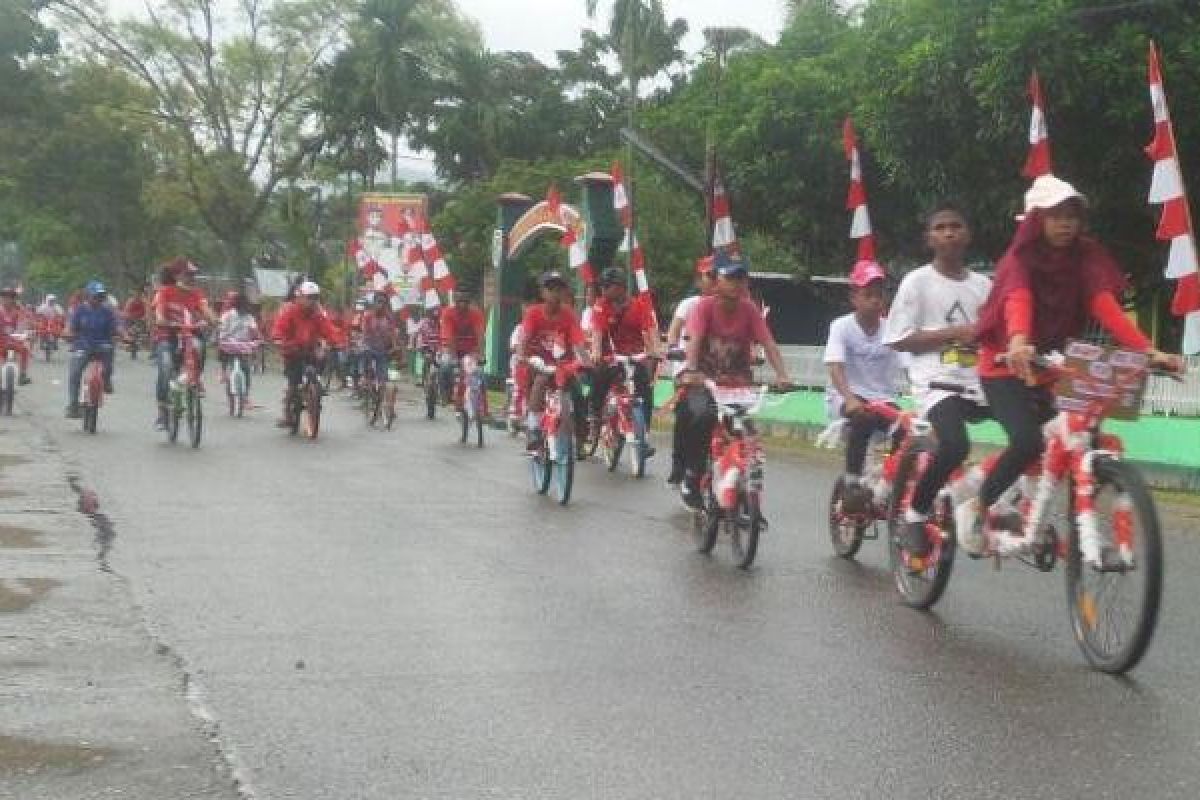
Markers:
point(933, 317)
point(301, 326)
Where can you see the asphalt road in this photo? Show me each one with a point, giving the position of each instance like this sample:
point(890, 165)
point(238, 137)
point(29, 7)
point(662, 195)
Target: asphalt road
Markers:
point(393, 615)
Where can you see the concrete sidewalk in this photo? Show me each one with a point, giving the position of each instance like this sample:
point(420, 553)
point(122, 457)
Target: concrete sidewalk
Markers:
point(92, 706)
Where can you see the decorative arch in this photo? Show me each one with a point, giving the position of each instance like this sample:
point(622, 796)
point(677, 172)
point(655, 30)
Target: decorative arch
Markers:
point(539, 220)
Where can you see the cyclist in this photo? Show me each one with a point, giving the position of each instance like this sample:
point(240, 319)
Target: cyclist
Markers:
point(428, 339)
point(12, 323)
point(90, 329)
point(134, 313)
point(177, 298)
point(862, 369)
point(677, 336)
point(551, 331)
point(237, 332)
point(624, 327)
point(933, 320)
point(462, 332)
point(380, 336)
point(1052, 281)
point(724, 328)
point(301, 326)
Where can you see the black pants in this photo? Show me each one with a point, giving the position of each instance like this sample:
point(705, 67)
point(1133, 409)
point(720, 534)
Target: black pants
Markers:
point(696, 416)
point(949, 418)
point(602, 381)
point(1022, 411)
point(861, 427)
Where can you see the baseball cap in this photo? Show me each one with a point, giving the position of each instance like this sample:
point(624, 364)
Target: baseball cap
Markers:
point(1049, 191)
point(730, 266)
point(552, 276)
point(864, 272)
point(613, 275)
point(309, 289)
point(96, 287)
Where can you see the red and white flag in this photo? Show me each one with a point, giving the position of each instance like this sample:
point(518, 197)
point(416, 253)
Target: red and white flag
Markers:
point(1175, 226)
point(1038, 162)
point(724, 235)
point(637, 259)
point(856, 200)
point(577, 251)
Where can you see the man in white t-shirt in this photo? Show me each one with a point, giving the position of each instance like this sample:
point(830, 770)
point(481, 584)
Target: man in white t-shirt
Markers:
point(933, 317)
point(677, 337)
point(862, 370)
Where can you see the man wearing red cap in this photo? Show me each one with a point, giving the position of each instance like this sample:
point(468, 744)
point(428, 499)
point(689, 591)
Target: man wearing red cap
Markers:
point(862, 369)
point(177, 302)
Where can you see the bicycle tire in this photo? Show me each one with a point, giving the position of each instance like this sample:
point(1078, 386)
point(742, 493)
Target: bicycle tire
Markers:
point(1121, 476)
point(847, 539)
point(918, 589)
point(195, 417)
point(745, 529)
point(431, 394)
point(611, 446)
point(478, 431)
point(6, 402)
point(637, 453)
point(174, 418)
point(90, 412)
point(706, 524)
point(540, 469)
point(312, 410)
point(564, 458)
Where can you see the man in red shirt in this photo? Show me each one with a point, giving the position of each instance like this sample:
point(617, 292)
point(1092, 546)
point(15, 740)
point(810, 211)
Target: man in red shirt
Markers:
point(462, 331)
point(301, 326)
point(551, 332)
point(723, 329)
point(11, 323)
point(177, 302)
point(625, 327)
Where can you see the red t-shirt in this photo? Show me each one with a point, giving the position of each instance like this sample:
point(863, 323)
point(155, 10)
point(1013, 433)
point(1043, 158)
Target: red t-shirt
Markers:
point(552, 338)
point(10, 321)
point(727, 339)
point(462, 332)
point(624, 329)
point(172, 302)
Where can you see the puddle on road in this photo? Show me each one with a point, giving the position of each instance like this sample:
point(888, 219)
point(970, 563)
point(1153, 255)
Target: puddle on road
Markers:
point(18, 754)
point(89, 506)
point(13, 600)
point(19, 538)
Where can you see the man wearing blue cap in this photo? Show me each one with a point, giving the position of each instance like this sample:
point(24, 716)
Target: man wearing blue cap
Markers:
point(90, 330)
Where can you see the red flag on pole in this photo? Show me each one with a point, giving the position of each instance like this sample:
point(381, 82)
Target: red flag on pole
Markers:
point(1038, 162)
point(856, 199)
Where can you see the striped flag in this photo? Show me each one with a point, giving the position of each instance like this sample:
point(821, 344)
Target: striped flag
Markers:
point(856, 200)
point(1038, 162)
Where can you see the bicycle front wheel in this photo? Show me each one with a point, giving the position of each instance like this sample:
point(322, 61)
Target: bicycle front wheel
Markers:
point(745, 526)
point(312, 410)
point(195, 416)
point(1114, 608)
point(846, 535)
point(920, 581)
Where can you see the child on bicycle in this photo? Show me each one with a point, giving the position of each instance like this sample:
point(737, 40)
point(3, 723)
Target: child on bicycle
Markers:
point(862, 369)
point(237, 335)
point(1050, 284)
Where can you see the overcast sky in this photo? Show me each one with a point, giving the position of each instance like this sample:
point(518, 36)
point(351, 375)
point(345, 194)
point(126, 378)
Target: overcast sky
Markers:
point(545, 26)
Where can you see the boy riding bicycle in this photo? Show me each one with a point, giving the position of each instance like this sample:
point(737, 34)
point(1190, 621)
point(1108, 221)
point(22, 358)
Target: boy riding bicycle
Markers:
point(301, 327)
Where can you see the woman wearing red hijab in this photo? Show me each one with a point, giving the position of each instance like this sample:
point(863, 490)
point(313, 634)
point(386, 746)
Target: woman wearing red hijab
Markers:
point(1050, 284)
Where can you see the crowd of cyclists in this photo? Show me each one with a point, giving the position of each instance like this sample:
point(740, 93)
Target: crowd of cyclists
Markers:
point(946, 323)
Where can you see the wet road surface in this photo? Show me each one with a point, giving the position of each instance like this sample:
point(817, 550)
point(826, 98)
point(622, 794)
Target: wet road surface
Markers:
point(386, 615)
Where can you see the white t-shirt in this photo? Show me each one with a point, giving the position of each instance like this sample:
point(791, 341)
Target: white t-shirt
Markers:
point(928, 300)
point(683, 312)
point(871, 366)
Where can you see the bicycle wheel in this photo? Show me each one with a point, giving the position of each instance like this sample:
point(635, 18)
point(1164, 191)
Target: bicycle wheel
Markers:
point(90, 413)
point(611, 445)
point(744, 529)
point(431, 393)
point(1114, 610)
point(637, 453)
point(6, 402)
point(920, 584)
point(174, 417)
point(540, 469)
point(706, 523)
point(296, 401)
point(312, 409)
point(195, 416)
point(847, 537)
point(464, 420)
point(564, 452)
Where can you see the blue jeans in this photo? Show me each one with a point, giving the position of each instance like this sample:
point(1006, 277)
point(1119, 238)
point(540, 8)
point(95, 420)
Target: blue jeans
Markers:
point(380, 361)
point(169, 356)
point(79, 359)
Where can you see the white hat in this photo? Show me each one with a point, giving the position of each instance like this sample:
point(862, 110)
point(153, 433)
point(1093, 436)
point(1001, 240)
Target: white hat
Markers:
point(1048, 191)
point(309, 289)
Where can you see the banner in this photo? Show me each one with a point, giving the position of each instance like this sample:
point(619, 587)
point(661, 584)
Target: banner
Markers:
point(384, 232)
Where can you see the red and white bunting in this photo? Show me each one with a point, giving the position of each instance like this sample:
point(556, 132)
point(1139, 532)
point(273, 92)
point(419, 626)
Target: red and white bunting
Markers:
point(1175, 226)
point(1038, 162)
point(856, 200)
point(724, 235)
point(630, 244)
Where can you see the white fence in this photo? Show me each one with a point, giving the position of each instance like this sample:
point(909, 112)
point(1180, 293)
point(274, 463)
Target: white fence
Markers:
point(1163, 395)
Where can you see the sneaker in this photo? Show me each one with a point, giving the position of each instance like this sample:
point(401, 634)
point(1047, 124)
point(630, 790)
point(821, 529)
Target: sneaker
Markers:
point(690, 492)
point(676, 476)
point(968, 526)
point(856, 499)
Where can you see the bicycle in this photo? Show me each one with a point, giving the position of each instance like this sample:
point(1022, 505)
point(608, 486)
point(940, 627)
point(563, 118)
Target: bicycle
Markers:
point(237, 374)
point(10, 374)
point(848, 530)
point(514, 399)
point(622, 420)
point(468, 386)
point(91, 392)
point(136, 337)
point(48, 334)
point(186, 390)
point(1099, 565)
point(554, 461)
point(304, 401)
point(733, 479)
